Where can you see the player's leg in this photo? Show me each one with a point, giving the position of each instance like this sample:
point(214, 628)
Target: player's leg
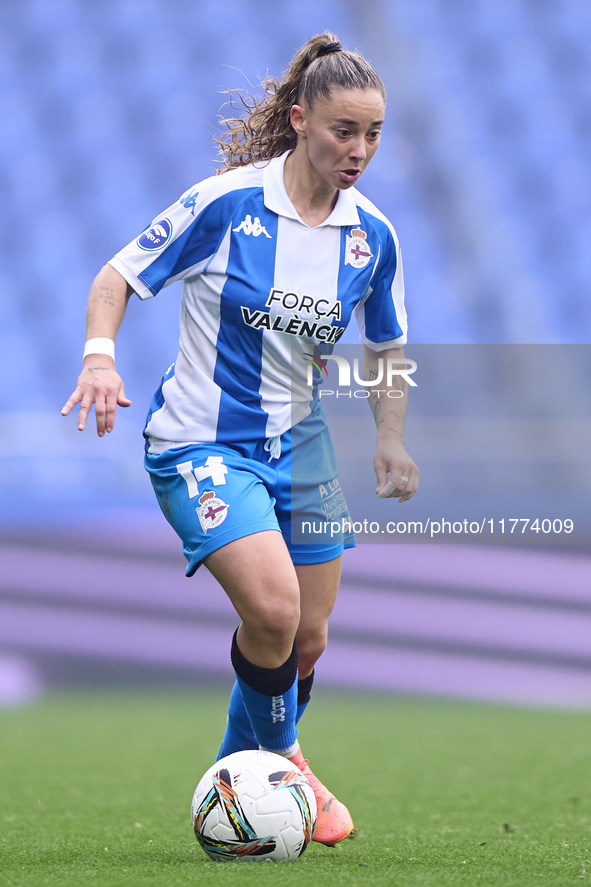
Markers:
point(311, 497)
point(254, 597)
point(257, 574)
point(238, 734)
point(217, 499)
point(318, 585)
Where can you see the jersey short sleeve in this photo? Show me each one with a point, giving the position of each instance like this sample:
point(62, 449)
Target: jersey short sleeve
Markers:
point(179, 242)
point(381, 314)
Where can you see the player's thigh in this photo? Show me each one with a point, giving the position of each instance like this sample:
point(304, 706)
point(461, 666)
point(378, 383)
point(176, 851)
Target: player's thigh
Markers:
point(258, 576)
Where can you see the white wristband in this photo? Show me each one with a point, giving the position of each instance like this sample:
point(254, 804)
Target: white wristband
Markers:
point(100, 346)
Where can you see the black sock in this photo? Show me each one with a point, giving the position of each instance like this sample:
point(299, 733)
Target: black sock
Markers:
point(268, 681)
point(305, 688)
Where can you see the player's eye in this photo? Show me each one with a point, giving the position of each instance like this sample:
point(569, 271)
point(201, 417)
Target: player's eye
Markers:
point(344, 133)
point(375, 134)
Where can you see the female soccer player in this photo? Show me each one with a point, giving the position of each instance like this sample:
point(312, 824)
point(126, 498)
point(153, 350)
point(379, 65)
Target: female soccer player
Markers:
point(274, 254)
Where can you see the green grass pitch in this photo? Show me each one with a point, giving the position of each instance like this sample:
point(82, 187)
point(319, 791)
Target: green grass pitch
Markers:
point(96, 789)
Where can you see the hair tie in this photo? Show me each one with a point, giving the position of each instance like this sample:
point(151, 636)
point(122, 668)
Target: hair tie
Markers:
point(335, 46)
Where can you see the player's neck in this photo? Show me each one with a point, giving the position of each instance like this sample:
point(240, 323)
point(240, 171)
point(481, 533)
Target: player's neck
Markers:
point(312, 197)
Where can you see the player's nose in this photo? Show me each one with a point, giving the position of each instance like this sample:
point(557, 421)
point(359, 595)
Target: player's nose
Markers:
point(358, 149)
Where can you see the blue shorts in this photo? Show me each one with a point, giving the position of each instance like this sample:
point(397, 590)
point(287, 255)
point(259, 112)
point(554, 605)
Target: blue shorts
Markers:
point(214, 493)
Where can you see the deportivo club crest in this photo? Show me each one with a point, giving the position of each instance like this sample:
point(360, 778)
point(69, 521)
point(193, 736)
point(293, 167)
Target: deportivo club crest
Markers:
point(357, 250)
point(211, 512)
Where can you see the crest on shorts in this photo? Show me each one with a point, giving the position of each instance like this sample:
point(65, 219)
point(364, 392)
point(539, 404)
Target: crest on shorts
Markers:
point(357, 249)
point(212, 511)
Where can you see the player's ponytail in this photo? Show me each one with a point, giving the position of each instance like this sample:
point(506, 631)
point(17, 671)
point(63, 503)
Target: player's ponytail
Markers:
point(266, 131)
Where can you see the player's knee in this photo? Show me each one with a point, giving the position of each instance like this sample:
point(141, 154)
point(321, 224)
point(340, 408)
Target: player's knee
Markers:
point(282, 619)
point(276, 620)
point(311, 646)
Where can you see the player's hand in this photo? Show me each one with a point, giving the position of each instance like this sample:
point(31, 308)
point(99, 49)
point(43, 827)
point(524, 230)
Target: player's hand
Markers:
point(100, 384)
point(396, 474)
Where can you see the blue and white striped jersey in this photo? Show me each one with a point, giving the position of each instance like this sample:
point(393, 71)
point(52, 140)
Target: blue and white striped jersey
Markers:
point(260, 289)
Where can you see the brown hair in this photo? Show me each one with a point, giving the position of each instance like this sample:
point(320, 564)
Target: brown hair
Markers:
point(266, 131)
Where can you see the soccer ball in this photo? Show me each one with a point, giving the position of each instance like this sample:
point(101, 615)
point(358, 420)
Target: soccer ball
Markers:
point(254, 805)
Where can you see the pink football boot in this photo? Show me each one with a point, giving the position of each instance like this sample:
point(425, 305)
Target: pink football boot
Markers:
point(333, 822)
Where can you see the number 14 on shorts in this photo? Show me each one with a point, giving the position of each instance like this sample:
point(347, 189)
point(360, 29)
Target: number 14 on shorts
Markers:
point(214, 468)
point(211, 511)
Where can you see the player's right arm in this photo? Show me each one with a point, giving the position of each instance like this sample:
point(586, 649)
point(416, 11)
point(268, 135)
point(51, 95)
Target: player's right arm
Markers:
point(99, 382)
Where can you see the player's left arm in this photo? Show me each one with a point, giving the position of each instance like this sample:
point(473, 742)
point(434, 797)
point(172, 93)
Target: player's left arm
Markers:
point(396, 473)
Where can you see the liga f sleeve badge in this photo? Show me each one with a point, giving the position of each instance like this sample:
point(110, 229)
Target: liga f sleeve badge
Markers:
point(357, 249)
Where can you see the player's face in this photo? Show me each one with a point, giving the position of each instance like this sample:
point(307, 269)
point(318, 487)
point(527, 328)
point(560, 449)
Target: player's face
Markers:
point(341, 133)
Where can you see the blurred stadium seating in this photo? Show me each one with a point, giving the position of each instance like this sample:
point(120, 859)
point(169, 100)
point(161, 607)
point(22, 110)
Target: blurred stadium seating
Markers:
point(108, 107)
point(107, 111)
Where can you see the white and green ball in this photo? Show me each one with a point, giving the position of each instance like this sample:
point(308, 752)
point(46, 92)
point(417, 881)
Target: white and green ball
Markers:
point(254, 805)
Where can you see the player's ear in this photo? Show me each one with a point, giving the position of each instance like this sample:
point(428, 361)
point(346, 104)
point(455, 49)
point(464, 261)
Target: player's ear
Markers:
point(297, 117)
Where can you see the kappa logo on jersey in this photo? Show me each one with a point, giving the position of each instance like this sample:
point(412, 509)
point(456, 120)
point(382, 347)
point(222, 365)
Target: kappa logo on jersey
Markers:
point(157, 236)
point(255, 228)
point(357, 250)
point(189, 199)
point(212, 511)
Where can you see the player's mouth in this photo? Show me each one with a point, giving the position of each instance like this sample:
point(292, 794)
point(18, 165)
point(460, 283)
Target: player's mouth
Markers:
point(350, 175)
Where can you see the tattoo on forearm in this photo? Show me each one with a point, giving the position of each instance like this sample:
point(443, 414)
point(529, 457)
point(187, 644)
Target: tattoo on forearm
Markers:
point(107, 295)
point(92, 369)
point(397, 415)
point(375, 404)
point(396, 431)
point(373, 375)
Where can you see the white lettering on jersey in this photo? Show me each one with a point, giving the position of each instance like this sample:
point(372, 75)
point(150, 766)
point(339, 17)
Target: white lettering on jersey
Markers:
point(255, 228)
point(213, 468)
point(185, 469)
point(328, 490)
